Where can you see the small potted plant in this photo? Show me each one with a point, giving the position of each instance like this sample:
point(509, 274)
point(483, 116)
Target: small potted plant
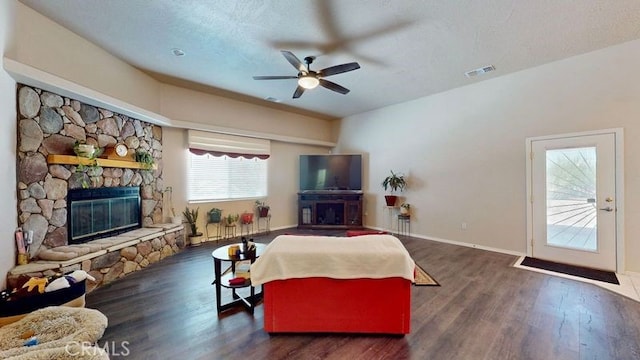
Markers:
point(231, 219)
point(191, 216)
point(246, 218)
point(87, 168)
point(262, 209)
point(215, 215)
point(405, 209)
point(145, 158)
point(395, 182)
point(89, 151)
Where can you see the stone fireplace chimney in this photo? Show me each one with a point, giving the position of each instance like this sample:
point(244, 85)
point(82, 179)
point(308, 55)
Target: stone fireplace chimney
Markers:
point(49, 124)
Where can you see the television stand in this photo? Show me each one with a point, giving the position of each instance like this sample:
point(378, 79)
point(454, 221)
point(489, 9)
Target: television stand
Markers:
point(330, 209)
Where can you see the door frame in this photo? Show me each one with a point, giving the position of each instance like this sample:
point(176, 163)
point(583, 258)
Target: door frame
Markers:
point(619, 175)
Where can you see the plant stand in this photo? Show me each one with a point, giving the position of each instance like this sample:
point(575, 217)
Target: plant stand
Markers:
point(389, 212)
point(229, 231)
point(266, 220)
point(246, 228)
point(218, 231)
point(404, 225)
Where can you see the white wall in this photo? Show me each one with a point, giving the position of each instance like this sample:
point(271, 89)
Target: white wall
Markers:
point(8, 199)
point(282, 180)
point(47, 46)
point(464, 150)
point(193, 106)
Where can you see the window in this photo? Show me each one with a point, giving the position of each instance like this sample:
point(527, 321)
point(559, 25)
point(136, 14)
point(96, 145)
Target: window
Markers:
point(223, 167)
point(223, 177)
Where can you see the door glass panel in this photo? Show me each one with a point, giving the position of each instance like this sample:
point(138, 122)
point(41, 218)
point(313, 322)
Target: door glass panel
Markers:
point(571, 198)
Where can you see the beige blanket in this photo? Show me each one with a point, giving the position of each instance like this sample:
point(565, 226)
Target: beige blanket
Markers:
point(369, 256)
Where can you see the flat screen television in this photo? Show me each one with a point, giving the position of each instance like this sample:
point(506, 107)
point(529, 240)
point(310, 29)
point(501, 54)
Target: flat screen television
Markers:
point(330, 172)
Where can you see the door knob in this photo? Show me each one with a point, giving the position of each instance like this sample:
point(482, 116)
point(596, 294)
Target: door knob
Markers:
point(608, 208)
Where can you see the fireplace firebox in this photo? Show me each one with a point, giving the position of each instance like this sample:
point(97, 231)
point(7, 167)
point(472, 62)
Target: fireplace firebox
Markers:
point(102, 212)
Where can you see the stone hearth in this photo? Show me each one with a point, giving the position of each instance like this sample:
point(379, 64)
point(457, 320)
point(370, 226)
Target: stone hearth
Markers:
point(107, 259)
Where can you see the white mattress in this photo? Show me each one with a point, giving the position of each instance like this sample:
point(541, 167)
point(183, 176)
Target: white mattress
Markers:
point(368, 256)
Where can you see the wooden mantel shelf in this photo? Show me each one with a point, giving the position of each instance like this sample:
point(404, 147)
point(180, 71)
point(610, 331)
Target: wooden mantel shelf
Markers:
point(76, 160)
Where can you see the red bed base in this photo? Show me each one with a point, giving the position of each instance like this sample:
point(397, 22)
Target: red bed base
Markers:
point(331, 305)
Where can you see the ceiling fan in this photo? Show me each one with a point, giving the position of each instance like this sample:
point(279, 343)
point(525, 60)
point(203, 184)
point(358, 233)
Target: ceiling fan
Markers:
point(309, 79)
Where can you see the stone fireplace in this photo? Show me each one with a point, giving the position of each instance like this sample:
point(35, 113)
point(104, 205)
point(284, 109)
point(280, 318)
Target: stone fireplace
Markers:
point(65, 204)
point(50, 124)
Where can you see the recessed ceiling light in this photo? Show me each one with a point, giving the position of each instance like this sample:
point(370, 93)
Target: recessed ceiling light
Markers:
point(177, 52)
point(480, 71)
point(272, 99)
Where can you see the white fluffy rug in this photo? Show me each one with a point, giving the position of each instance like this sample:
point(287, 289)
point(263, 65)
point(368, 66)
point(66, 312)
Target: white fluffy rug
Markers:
point(54, 327)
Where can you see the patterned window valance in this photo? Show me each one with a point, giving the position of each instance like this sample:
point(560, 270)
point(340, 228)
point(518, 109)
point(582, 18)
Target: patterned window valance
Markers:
point(202, 142)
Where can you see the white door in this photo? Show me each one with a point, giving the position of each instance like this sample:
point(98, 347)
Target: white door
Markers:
point(573, 199)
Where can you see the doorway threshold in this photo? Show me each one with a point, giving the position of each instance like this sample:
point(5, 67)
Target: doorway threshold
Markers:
point(629, 285)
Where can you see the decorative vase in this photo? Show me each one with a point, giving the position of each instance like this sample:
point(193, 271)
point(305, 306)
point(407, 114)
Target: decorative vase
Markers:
point(176, 219)
point(263, 212)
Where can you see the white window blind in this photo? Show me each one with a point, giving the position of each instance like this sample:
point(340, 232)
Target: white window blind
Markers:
point(223, 167)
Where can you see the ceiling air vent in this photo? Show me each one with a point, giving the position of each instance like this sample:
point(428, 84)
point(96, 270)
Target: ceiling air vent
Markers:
point(178, 52)
point(480, 71)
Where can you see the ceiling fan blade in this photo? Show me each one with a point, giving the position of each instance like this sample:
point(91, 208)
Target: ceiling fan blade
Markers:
point(333, 86)
point(293, 60)
point(298, 92)
point(339, 69)
point(274, 77)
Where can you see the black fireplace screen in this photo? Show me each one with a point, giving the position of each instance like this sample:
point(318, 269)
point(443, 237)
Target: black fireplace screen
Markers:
point(102, 212)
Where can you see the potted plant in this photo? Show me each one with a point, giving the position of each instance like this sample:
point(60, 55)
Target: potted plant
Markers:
point(405, 208)
point(231, 219)
point(262, 209)
point(246, 218)
point(191, 216)
point(90, 166)
point(215, 215)
point(145, 158)
point(395, 182)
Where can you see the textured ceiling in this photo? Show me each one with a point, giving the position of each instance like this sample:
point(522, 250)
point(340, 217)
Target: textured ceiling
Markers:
point(406, 48)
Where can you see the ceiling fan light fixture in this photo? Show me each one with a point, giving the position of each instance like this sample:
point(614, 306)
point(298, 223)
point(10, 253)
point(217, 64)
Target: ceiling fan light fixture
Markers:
point(308, 81)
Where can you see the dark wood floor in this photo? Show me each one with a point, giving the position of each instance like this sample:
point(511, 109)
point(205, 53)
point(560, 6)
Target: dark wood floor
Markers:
point(484, 309)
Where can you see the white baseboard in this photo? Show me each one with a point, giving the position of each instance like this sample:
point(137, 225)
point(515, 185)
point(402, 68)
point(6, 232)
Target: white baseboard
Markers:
point(459, 243)
point(285, 227)
point(475, 246)
point(632, 273)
